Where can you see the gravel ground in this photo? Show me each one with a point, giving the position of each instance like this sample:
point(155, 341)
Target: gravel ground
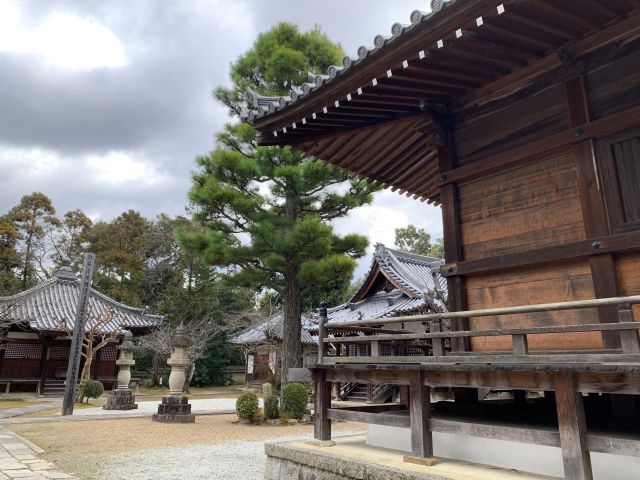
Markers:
point(215, 447)
point(228, 461)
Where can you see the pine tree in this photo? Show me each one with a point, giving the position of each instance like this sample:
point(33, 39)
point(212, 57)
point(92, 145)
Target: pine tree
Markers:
point(265, 212)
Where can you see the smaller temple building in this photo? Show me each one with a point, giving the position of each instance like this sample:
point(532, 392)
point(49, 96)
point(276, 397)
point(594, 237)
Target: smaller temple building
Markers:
point(398, 283)
point(35, 346)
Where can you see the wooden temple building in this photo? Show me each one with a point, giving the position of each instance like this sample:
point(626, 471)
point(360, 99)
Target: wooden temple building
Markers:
point(35, 348)
point(398, 283)
point(521, 119)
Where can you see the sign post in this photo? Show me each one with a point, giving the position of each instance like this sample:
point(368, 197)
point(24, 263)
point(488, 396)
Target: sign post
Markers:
point(78, 334)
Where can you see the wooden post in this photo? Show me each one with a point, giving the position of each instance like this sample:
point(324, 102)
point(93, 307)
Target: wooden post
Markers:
point(628, 338)
point(573, 428)
point(436, 343)
point(420, 411)
point(322, 424)
point(322, 347)
point(369, 392)
point(43, 363)
point(375, 348)
point(78, 335)
point(520, 344)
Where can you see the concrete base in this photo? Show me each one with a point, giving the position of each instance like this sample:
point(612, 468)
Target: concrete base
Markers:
point(537, 459)
point(352, 459)
point(174, 410)
point(121, 400)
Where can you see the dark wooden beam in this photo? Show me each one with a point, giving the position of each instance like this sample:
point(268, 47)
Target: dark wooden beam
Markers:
point(619, 243)
point(573, 429)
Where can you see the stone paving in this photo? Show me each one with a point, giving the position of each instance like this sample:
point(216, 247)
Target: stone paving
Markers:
point(19, 459)
point(36, 407)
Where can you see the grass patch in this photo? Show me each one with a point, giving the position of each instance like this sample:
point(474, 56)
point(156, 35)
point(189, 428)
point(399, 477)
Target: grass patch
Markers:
point(6, 404)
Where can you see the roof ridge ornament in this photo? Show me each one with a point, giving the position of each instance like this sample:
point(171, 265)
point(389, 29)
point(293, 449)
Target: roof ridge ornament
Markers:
point(65, 272)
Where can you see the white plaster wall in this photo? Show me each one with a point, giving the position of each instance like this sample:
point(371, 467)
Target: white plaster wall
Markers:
point(538, 459)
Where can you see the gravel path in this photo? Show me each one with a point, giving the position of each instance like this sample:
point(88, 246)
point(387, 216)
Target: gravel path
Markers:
point(228, 461)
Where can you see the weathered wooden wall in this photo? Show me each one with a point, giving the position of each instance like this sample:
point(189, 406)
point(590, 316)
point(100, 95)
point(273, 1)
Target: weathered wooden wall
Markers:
point(539, 203)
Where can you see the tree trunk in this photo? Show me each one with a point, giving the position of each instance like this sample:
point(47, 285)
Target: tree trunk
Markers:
point(156, 375)
point(291, 343)
point(85, 376)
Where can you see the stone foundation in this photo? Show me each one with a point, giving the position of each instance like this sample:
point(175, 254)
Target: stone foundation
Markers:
point(121, 400)
point(286, 462)
point(174, 409)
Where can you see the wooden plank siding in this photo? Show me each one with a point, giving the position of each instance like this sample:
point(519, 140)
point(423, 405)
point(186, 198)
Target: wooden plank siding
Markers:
point(628, 277)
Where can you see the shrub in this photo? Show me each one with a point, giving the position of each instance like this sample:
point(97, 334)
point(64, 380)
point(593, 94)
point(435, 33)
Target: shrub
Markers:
point(271, 407)
point(93, 389)
point(247, 406)
point(295, 397)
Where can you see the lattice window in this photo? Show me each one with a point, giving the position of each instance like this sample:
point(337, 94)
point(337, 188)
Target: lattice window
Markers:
point(58, 352)
point(23, 350)
point(109, 352)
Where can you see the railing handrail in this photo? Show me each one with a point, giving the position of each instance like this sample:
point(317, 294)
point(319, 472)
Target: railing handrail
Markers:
point(541, 307)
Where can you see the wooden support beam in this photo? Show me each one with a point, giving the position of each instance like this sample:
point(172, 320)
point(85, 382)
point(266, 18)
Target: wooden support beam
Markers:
point(452, 237)
point(573, 429)
point(420, 412)
point(619, 243)
point(322, 423)
point(593, 208)
point(486, 376)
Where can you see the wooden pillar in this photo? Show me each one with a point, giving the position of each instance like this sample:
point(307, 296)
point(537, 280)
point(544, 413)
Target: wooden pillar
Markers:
point(593, 207)
point(322, 424)
point(573, 428)
point(452, 237)
point(44, 360)
point(369, 392)
point(420, 411)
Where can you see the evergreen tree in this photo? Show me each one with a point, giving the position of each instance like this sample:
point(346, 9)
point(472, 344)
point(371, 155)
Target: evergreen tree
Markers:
point(265, 212)
point(31, 218)
point(9, 256)
point(417, 240)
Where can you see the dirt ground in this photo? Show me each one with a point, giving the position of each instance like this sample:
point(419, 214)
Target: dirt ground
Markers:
point(75, 446)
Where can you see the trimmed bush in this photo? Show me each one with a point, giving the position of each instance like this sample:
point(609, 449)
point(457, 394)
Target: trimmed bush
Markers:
point(247, 406)
point(271, 407)
point(295, 397)
point(93, 389)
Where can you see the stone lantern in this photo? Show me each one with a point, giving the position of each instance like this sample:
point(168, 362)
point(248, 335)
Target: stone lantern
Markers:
point(175, 407)
point(123, 398)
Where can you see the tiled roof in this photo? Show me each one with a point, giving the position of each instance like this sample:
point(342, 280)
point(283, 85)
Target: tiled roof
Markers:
point(260, 105)
point(271, 329)
point(45, 306)
point(418, 287)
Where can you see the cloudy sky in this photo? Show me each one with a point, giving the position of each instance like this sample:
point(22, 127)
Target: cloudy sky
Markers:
point(105, 104)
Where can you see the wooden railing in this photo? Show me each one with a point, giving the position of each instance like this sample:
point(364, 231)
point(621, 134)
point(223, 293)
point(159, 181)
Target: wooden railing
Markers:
point(373, 332)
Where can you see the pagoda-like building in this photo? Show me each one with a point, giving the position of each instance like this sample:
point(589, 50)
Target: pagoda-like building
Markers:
point(35, 348)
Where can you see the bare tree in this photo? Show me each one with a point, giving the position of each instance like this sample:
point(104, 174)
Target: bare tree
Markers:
point(199, 333)
point(97, 335)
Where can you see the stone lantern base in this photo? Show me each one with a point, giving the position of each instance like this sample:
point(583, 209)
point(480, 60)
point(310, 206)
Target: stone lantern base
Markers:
point(121, 400)
point(174, 409)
